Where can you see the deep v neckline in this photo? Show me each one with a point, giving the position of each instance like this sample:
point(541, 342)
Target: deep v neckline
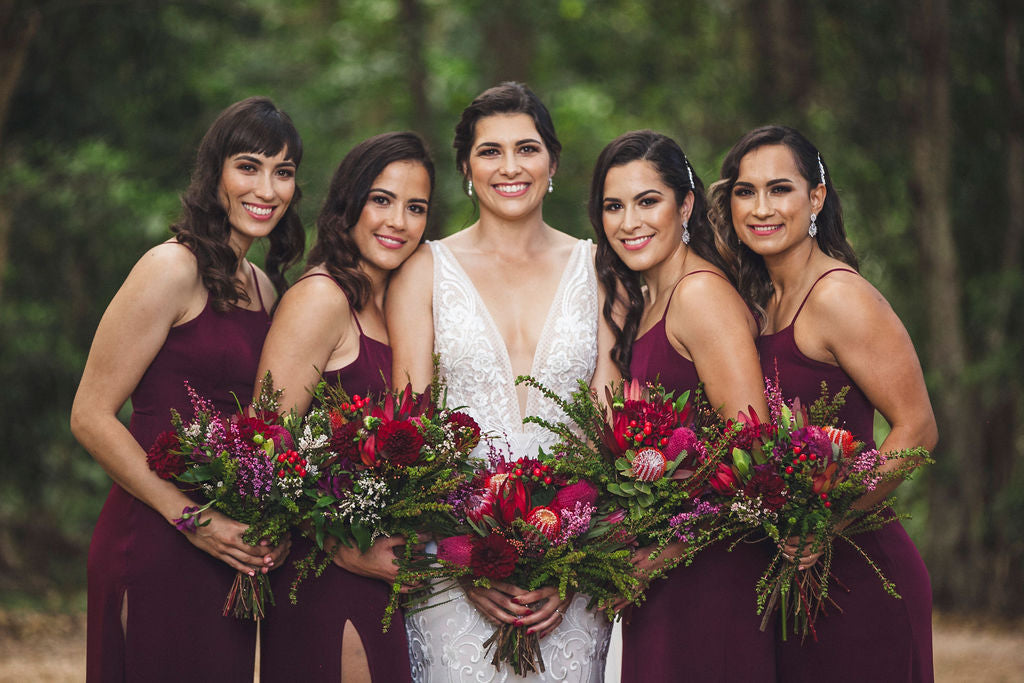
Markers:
point(488, 319)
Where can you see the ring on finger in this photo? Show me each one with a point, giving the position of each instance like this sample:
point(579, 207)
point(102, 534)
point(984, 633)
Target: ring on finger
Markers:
point(560, 612)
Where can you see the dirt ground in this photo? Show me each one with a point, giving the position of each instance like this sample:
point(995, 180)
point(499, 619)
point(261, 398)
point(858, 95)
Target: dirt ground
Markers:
point(43, 648)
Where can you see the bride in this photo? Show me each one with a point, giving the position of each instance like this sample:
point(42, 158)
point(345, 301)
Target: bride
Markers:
point(507, 296)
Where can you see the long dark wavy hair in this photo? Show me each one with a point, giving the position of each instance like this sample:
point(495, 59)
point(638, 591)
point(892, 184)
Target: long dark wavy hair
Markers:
point(665, 155)
point(752, 278)
point(507, 98)
point(335, 249)
point(253, 125)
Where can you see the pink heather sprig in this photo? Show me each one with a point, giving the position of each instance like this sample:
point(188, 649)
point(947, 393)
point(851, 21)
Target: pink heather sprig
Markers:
point(495, 458)
point(867, 460)
point(773, 394)
point(199, 404)
point(683, 521)
point(575, 521)
point(255, 475)
point(216, 436)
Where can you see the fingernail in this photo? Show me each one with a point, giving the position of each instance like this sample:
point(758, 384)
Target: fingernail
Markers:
point(516, 600)
point(529, 612)
point(529, 631)
point(517, 622)
point(252, 572)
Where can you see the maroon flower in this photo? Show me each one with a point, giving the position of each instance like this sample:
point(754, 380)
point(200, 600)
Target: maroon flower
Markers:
point(466, 429)
point(399, 442)
point(724, 480)
point(684, 439)
point(768, 485)
point(344, 441)
point(249, 427)
point(162, 457)
point(493, 557)
point(479, 504)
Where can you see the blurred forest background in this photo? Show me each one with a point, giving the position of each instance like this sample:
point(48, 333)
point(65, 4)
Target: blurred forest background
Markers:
point(917, 106)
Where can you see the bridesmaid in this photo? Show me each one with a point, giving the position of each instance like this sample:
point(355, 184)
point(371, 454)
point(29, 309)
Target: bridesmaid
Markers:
point(776, 210)
point(332, 321)
point(689, 327)
point(191, 309)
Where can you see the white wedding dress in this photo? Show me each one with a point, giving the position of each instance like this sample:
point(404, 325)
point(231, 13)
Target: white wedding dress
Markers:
point(446, 642)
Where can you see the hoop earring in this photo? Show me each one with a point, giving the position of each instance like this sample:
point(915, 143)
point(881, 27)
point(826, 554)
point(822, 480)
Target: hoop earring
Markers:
point(551, 186)
point(469, 187)
point(686, 232)
point(812, 229)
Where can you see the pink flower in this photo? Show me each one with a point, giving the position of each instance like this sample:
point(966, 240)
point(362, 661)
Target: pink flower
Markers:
point(567, 497)
point(455, 549)
point(724, 480)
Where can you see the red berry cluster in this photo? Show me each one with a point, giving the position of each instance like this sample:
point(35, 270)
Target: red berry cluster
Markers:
point(644, 435)
point(539, 473)
point(356, 404)
point(289, 461)
point(805, 461)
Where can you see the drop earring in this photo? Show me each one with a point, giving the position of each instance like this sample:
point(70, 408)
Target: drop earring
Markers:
point(812, 229)
point(686, 232)
point(469, 187)
point(551, 186)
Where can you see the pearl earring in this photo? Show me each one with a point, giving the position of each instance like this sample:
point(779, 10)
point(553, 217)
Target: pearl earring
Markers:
point(812, 230)
point(551, 186)
point(469, 188)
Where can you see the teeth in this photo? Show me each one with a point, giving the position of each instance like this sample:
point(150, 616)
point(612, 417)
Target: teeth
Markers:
point(393, 240)
point(518, 187)
point(636, 240)
point(259, 210)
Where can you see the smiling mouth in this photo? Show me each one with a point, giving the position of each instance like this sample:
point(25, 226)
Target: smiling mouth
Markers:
point(257, 210)
point(511, 189)
point(390, 242)
point(764, 229)
point(637, 242)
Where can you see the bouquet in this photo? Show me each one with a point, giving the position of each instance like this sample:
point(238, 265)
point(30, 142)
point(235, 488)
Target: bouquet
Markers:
point(795, 477)
point(390, 466)
point(649, 451)
point(528, 525)
point(252, 468)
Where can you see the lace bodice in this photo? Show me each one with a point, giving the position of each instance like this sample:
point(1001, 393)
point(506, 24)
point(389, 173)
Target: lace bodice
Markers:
point(446, 641)
point(476, 364)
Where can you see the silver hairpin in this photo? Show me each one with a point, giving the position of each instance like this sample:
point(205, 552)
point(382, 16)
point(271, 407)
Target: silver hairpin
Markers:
point(689, 171)
point(821, 169)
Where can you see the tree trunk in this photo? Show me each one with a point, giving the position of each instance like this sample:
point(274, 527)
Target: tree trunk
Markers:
point(956, 496)
point(18, 26)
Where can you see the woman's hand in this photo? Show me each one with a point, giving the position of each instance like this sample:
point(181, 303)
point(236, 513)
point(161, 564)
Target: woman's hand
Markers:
point(222, 538)
point(802, 556)
point(379, 562)
point(539, 611)
point(646, 566)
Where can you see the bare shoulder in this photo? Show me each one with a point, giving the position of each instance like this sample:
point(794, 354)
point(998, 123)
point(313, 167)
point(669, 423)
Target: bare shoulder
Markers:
point(418, 269)
point(168, 270)
point(707, 294)
point(849, 309)
point(320, 294)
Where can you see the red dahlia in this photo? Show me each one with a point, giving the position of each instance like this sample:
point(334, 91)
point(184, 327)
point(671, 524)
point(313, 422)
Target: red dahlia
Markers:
point(343, 441)
point(399, 441)
point(493, 557)
point(467, 429)
point(161, 456)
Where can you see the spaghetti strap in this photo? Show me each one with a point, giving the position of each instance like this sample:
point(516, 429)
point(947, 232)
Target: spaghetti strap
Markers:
point(256, 281)
point(331, 278)
point(673, 292)
point(813, 285)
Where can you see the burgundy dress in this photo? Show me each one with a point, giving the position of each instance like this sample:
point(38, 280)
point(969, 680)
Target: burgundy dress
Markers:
point(876, 637)
point(174, 591)
point(303, 642)
point(701, 623)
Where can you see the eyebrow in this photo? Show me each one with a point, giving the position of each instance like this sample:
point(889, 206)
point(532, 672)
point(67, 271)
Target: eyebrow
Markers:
point(391, 194)
point(776, 181)
point(517, 143)
point(639, 195)
point(257, 160)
